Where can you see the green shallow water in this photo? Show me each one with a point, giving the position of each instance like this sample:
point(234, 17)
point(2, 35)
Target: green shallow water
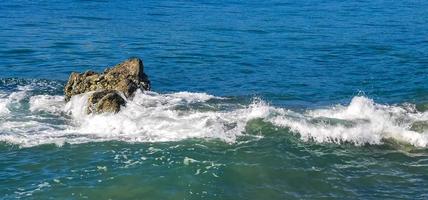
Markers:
point(197, 146)
point(278, 166)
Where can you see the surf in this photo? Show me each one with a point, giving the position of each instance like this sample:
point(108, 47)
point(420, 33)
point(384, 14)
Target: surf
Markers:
point(30, 116)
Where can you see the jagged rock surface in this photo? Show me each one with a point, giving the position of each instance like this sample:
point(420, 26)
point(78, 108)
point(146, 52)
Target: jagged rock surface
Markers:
point(124, 78)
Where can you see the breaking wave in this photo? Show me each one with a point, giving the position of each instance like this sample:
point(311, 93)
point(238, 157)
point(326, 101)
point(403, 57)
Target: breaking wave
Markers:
point(28, 118)
point(361, 122)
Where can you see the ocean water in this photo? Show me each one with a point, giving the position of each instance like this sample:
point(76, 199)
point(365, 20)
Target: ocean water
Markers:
point(250, 100)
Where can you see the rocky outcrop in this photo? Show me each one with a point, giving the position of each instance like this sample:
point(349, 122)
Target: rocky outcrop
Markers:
point(111, 87)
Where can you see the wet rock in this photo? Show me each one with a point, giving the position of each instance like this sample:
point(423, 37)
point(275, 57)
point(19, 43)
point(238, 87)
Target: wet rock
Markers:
point(105, 101)
point(124, 78)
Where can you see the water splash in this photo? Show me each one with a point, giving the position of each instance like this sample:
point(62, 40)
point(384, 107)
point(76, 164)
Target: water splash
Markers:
point(154, 117)
point(361, 122)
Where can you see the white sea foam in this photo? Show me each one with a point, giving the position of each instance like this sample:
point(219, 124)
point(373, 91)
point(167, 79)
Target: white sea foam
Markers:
point(3, 106)
point(153, 117)
point(47, 103)
point(147, 117)
point(12, 100)
point(192, 97)
point(361, 122)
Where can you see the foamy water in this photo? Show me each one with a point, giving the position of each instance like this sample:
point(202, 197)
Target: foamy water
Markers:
point(361, 122)
point(154, 117)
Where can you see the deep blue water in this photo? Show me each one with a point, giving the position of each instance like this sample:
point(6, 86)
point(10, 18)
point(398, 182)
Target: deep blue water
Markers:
point(371, 57)
point(325, 50)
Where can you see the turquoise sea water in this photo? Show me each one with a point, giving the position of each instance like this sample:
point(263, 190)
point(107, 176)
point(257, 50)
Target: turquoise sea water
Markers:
point(251, 100)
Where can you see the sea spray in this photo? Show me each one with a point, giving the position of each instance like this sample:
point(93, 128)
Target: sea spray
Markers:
point(361, 122)
point(156, 117)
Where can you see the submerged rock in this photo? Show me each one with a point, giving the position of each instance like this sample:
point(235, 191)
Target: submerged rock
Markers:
point(124, 78)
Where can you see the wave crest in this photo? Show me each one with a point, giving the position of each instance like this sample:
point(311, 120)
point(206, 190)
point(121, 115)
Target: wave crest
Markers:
point(155, 117)
point(361, 122)
point(29, 118)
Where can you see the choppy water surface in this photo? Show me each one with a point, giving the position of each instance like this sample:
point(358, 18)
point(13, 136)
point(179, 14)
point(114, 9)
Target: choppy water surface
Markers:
point(254, 100)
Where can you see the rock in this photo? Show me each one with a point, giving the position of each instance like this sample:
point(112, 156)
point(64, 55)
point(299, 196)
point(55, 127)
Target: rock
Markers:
point(105, 101)
point(124, 78)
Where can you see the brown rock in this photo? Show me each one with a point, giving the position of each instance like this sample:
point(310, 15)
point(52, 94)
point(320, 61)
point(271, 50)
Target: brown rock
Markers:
point(105, 101)
point(126, 78)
